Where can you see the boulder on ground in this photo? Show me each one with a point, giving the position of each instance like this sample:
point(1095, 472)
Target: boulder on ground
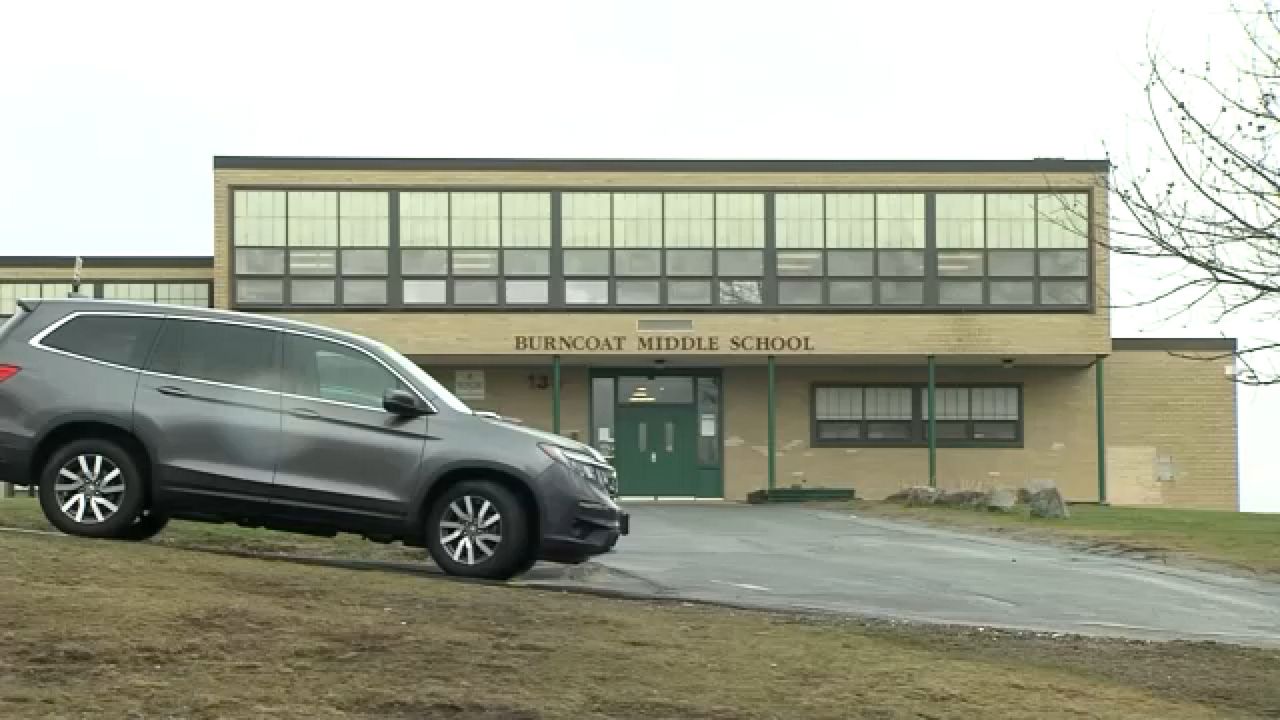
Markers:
point(1024, 496)
point(963, 498)
point(1048, 503)
point(915, 496)
point(1001, 500)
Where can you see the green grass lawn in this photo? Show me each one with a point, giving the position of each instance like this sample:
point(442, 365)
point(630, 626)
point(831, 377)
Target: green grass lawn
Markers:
point(100, 629)
point(1248, 541)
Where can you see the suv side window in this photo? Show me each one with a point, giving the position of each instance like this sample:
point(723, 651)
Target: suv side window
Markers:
point(217, 352)
point(329, 371)
point(119, 339)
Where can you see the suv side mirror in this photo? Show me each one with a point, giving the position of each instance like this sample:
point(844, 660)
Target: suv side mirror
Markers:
point(402, 402)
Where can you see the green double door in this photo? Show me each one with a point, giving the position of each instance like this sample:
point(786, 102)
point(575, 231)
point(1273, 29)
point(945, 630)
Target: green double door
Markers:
point(656, 453)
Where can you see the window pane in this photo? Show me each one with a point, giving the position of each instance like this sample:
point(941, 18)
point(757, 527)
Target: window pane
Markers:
point(311, 292)
point(520, 292)
point(218, 352)
point(1012, 263)
point(708, 412)
point(364, 292)
point(800, 263)
point(851, 220)
point(259, 261)
point(960, 264)
point(424, 262)
point(900, 221)
point(474, 219)
point(1064, 263)
point(850, 263)
point(259, 292)
point(475, 262)
point(313, 219)
point(689, 262)
point(364, 262)
point(363, 219)
point(798, 220)
point(475, 292)
point(1011, 220)
point(949, 430)
point(800, 292)
point(328, 371)
point(189, 294)
point(637, 220)
point(889, 430)
point(526, 219)
point(586, 262)
point(960, 220)
point(638, 292)
point(739, 220)
point(994, 403)
point(426, 292)
point(850, 292)
point(585, 219)
point(586, 292)
point(660, 389)
point(689, 292)
point(1011, 292)
point(689, 219)
point(952, 403)
point(740, 292)
point(526, 262)
point(143, 292)
point(901, 263)
point(828, 430)
point(1063, 292)
point(995, 430)
point(901, 292)
point(313, 262)
point(838, 403)
point(637, 262)
point(740, 262)
point(1063, 220)
point(120, 340)
point(259, 217)
point(887, 403)
point(955, 292)
point(424, 219)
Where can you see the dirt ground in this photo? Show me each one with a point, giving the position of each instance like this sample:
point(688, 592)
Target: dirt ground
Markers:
point(97, 629)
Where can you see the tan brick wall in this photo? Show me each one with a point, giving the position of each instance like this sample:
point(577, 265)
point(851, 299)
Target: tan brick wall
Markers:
point(1173, 416)
point(507, 392)
point(979, 334)
point(1059, 433)
point(94, 274)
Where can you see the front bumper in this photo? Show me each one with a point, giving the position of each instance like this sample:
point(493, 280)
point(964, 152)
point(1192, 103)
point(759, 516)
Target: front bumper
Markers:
point(579, 521)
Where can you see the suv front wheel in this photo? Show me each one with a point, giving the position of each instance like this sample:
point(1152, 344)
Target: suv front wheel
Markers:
point(91, 488)
point(478, 529)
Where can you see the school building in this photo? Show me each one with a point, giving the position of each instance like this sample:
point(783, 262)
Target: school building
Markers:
point(721, 327)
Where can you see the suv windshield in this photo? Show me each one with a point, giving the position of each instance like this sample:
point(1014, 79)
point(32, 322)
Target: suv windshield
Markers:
point(410, 368)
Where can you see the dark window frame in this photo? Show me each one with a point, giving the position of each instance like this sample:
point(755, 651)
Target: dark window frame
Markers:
point(919, 421)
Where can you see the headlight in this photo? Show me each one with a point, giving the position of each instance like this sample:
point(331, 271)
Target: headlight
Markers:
point(585, 466)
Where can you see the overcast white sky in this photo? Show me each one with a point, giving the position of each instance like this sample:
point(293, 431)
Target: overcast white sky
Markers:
point(110, 112)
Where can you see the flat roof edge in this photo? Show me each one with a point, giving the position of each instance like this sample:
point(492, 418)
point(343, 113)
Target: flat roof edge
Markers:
point(116, 261)
point(1051, 165)
point(1218, 344)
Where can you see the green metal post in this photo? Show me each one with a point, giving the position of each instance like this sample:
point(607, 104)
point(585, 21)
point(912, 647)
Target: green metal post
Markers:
point(555, 394)
point(773, 441)
point(1100, 406)
point(933, 426)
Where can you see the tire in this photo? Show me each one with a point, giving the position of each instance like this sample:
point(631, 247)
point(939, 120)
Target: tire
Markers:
point(461, 527)
point(147, 526)
point(116, 489)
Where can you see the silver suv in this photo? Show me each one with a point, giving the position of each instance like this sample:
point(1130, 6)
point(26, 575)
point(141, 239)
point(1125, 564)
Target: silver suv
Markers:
point(127, 415)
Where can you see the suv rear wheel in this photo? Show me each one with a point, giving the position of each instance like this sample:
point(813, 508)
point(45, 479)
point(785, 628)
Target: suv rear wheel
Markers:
point(91, 488)
point(479, 529)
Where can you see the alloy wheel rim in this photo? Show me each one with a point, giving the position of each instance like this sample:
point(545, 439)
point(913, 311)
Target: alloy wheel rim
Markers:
point(89, 489)
point(471, 530)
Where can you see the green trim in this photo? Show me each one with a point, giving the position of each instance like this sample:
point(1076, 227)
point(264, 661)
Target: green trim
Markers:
point(555, 394)
point(1100, 406)
point(933, 424)
point(773, 439)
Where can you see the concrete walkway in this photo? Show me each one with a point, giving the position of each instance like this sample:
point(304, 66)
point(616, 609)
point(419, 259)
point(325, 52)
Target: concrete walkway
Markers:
point(787, 557)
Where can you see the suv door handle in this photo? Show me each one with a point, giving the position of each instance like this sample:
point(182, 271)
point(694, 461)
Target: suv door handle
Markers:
point(304, 413)
point(172, 391)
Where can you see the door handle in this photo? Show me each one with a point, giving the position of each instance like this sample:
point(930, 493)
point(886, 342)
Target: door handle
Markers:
point(172, 391)
point(304, 413)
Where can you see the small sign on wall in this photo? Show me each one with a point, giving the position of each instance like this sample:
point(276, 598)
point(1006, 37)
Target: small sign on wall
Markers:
point(469, 384)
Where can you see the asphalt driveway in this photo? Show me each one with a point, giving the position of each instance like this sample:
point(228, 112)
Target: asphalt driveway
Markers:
point(787, 557)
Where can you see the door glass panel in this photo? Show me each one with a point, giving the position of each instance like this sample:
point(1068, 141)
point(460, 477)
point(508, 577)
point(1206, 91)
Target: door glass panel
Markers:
point(602, 407)
point(640, 390)
point(642, 436)
point(708, 421)
point(328, 371)
point(671, 436)
point(217, 352)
